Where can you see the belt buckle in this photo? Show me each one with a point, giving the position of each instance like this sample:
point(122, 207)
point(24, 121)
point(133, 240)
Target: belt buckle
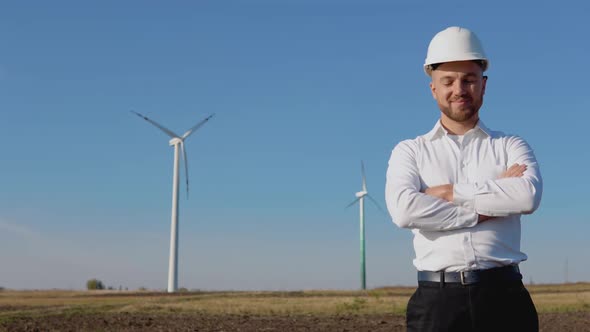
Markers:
point(462, 274)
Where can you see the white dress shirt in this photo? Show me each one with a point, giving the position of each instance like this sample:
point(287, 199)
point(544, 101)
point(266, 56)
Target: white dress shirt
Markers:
point(447, 236)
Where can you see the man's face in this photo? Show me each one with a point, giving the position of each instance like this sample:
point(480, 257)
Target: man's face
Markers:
point(458, 88)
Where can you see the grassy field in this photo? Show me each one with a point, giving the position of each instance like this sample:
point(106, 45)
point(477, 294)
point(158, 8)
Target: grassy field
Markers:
point(14, 304)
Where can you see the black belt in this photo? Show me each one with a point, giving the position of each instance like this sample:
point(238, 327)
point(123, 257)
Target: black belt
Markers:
point(498, 274)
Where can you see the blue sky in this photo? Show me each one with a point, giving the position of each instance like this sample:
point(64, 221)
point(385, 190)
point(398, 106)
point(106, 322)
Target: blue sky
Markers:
point(302, 91)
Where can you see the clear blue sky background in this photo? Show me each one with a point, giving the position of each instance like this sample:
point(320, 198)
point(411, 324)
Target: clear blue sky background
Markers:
point(302, 91)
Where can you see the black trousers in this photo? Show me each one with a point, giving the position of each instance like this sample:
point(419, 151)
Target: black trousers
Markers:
point(505, 307)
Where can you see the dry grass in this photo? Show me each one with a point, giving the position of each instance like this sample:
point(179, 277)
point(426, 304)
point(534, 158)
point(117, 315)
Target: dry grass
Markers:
point(390, 300)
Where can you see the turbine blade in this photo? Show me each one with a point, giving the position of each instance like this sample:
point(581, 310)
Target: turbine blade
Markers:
point(195, 127)
point(185, 166)
point(162, 128)
point(353, 202)
point(377, 205)
point(364, 179)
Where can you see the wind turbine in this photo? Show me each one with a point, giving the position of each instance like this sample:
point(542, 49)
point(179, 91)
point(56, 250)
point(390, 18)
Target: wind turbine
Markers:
point(360, 197)
point(177, 142)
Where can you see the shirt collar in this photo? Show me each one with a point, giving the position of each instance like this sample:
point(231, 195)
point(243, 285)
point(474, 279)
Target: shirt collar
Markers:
point(439, 131)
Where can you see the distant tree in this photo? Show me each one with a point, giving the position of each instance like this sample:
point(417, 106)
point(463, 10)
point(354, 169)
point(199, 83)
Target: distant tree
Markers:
point(1, 288)
point(94, 284)
point(183, 290)
point(142, 289)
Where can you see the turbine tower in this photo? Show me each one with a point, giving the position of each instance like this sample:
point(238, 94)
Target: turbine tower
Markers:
point(177, 142)
point(361, 199)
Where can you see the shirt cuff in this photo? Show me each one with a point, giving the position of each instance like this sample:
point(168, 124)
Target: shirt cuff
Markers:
point(464, 195)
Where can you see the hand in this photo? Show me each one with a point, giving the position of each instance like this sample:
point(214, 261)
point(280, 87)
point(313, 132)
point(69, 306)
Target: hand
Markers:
point(444, 191)
point(514, 171)
point(481, 218)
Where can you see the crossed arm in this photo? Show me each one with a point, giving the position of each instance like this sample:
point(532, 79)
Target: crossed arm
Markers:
point(445, 191)
point(454, 206)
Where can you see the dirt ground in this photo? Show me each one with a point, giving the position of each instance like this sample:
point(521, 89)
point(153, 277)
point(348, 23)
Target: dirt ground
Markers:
point(562, 322)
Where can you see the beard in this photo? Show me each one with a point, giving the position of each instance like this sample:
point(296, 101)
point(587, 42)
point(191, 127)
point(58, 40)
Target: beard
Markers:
point(461, 113)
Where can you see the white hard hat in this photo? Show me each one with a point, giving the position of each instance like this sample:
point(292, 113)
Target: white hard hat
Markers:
point(454, 44)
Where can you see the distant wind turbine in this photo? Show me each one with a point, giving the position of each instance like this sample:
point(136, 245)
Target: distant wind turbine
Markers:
point(361, 199)
point(178, 142)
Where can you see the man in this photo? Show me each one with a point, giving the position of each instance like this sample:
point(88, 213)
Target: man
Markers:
point(461, 188)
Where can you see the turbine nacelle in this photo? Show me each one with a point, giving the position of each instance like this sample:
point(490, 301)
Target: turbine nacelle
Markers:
point(361, 194)
point(175, 140)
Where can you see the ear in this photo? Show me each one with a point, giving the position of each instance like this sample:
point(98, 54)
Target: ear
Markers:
point(433, 89)
point(483, 85)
